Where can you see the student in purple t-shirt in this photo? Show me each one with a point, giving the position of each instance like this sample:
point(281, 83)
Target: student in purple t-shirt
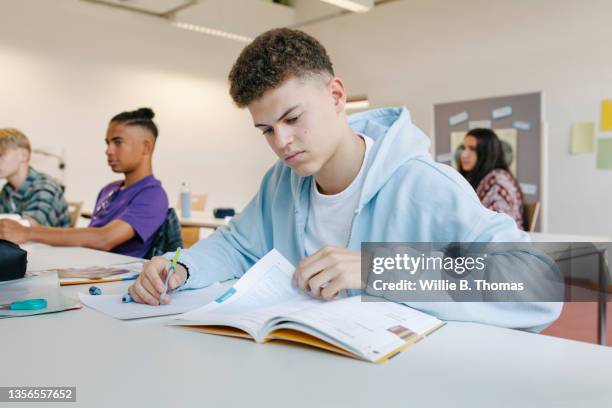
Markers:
point(128, 212)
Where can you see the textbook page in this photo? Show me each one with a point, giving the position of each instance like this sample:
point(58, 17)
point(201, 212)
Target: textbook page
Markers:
point(374, 329)
point(263, 292)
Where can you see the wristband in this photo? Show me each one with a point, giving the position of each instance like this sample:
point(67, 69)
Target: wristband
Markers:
point(186, 270)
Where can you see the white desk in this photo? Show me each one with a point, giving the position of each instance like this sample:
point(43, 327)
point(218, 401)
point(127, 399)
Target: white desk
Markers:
point(553, 237)
point(115, 364)
point(202, 220)
point(42, 257)
point(198, 219)
point(559, 243)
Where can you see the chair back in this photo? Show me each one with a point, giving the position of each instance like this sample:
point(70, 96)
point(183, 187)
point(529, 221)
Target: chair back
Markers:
point(168, 236)
point(74, 212)
point(530, 215)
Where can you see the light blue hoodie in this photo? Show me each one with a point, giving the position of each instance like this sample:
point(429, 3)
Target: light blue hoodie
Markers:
point(406, 197)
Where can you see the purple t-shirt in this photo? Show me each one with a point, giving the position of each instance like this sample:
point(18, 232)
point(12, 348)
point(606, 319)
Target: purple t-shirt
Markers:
point(143, 205)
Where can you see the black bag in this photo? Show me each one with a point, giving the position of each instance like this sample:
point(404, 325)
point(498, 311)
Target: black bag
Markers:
point(13, 261)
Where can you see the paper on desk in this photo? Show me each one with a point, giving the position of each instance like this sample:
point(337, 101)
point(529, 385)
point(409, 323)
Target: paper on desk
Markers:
point(15, 217)
point(182, 301)
point(35, 287)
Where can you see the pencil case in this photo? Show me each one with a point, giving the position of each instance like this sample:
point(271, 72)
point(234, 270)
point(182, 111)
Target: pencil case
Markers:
point(13, 261)
point(224, 212)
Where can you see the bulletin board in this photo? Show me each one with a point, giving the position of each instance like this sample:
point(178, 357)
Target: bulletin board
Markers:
point(518, 121)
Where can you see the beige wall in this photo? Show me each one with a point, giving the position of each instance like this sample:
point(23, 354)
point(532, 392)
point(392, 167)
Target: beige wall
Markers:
point(421, 52)
point(69, 66)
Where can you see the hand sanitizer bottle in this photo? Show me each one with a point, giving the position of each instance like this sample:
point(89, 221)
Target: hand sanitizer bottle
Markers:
point(185, 200)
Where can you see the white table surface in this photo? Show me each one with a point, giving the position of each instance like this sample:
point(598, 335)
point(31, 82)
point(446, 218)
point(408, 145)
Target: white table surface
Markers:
point(202, 220)
point(41, 257)
point(145, 363)
point(199, 219)
point(555, 237)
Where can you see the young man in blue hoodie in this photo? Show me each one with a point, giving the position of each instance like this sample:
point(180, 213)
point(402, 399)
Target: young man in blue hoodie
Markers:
point(339, 181)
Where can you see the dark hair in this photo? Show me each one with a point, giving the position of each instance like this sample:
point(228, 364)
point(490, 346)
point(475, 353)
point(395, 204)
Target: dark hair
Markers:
point(140, 117)
point(272, 58)
point(489, 156)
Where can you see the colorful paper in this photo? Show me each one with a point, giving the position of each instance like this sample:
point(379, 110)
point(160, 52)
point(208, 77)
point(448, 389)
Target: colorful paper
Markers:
point(583, 138)
point(606, 115)
point(604, 153)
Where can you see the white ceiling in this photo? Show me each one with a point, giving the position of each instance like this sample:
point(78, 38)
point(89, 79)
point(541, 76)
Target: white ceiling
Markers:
point(153, 6)
point(245, 17)
point(241, 17)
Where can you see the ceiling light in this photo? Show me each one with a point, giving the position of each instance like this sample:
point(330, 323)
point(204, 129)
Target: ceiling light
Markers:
point(211, 31)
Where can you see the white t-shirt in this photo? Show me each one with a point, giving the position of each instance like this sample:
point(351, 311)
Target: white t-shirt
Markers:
point(330, 216)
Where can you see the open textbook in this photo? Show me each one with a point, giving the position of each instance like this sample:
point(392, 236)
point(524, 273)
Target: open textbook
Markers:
point(264, 306)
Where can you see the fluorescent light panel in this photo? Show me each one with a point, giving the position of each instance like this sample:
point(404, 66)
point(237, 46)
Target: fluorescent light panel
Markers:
point(356, 6)
point(355, 105)
point(211, 31)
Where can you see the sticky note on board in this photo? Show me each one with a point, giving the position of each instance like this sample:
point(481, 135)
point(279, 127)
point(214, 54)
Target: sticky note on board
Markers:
point(606, 115)
point(521, 125)
point(503, 112)
point(458, 118)
point(529, 189)
point(604, 153)
point(582, 138)
point(483, 124)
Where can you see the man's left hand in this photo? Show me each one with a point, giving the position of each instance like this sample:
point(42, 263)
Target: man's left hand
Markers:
point(328, 271)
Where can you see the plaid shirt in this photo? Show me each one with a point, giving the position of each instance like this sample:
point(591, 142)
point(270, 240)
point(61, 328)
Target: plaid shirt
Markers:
point(39, 197)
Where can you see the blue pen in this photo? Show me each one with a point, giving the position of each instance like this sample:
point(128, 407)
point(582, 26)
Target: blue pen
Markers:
point(127, 298)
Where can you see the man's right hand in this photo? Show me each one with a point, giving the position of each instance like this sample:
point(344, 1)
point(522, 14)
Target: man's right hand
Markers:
point(150, 284)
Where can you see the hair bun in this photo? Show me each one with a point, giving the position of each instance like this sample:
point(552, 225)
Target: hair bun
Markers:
point(146, 113)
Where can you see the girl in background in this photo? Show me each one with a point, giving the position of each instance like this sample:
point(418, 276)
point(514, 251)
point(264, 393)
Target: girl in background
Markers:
point(482, 162)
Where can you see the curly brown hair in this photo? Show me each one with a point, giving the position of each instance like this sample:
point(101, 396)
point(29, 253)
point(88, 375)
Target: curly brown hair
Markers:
point(272, 58)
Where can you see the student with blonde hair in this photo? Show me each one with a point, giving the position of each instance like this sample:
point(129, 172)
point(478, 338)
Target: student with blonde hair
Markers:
point(27, 192)
point(129, 211)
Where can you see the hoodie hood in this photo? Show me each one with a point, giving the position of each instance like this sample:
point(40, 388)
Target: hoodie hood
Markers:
point(396, 141)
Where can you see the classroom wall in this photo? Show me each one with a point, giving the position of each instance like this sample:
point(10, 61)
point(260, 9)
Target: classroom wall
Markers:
point(421, 52)
point(68, 66)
